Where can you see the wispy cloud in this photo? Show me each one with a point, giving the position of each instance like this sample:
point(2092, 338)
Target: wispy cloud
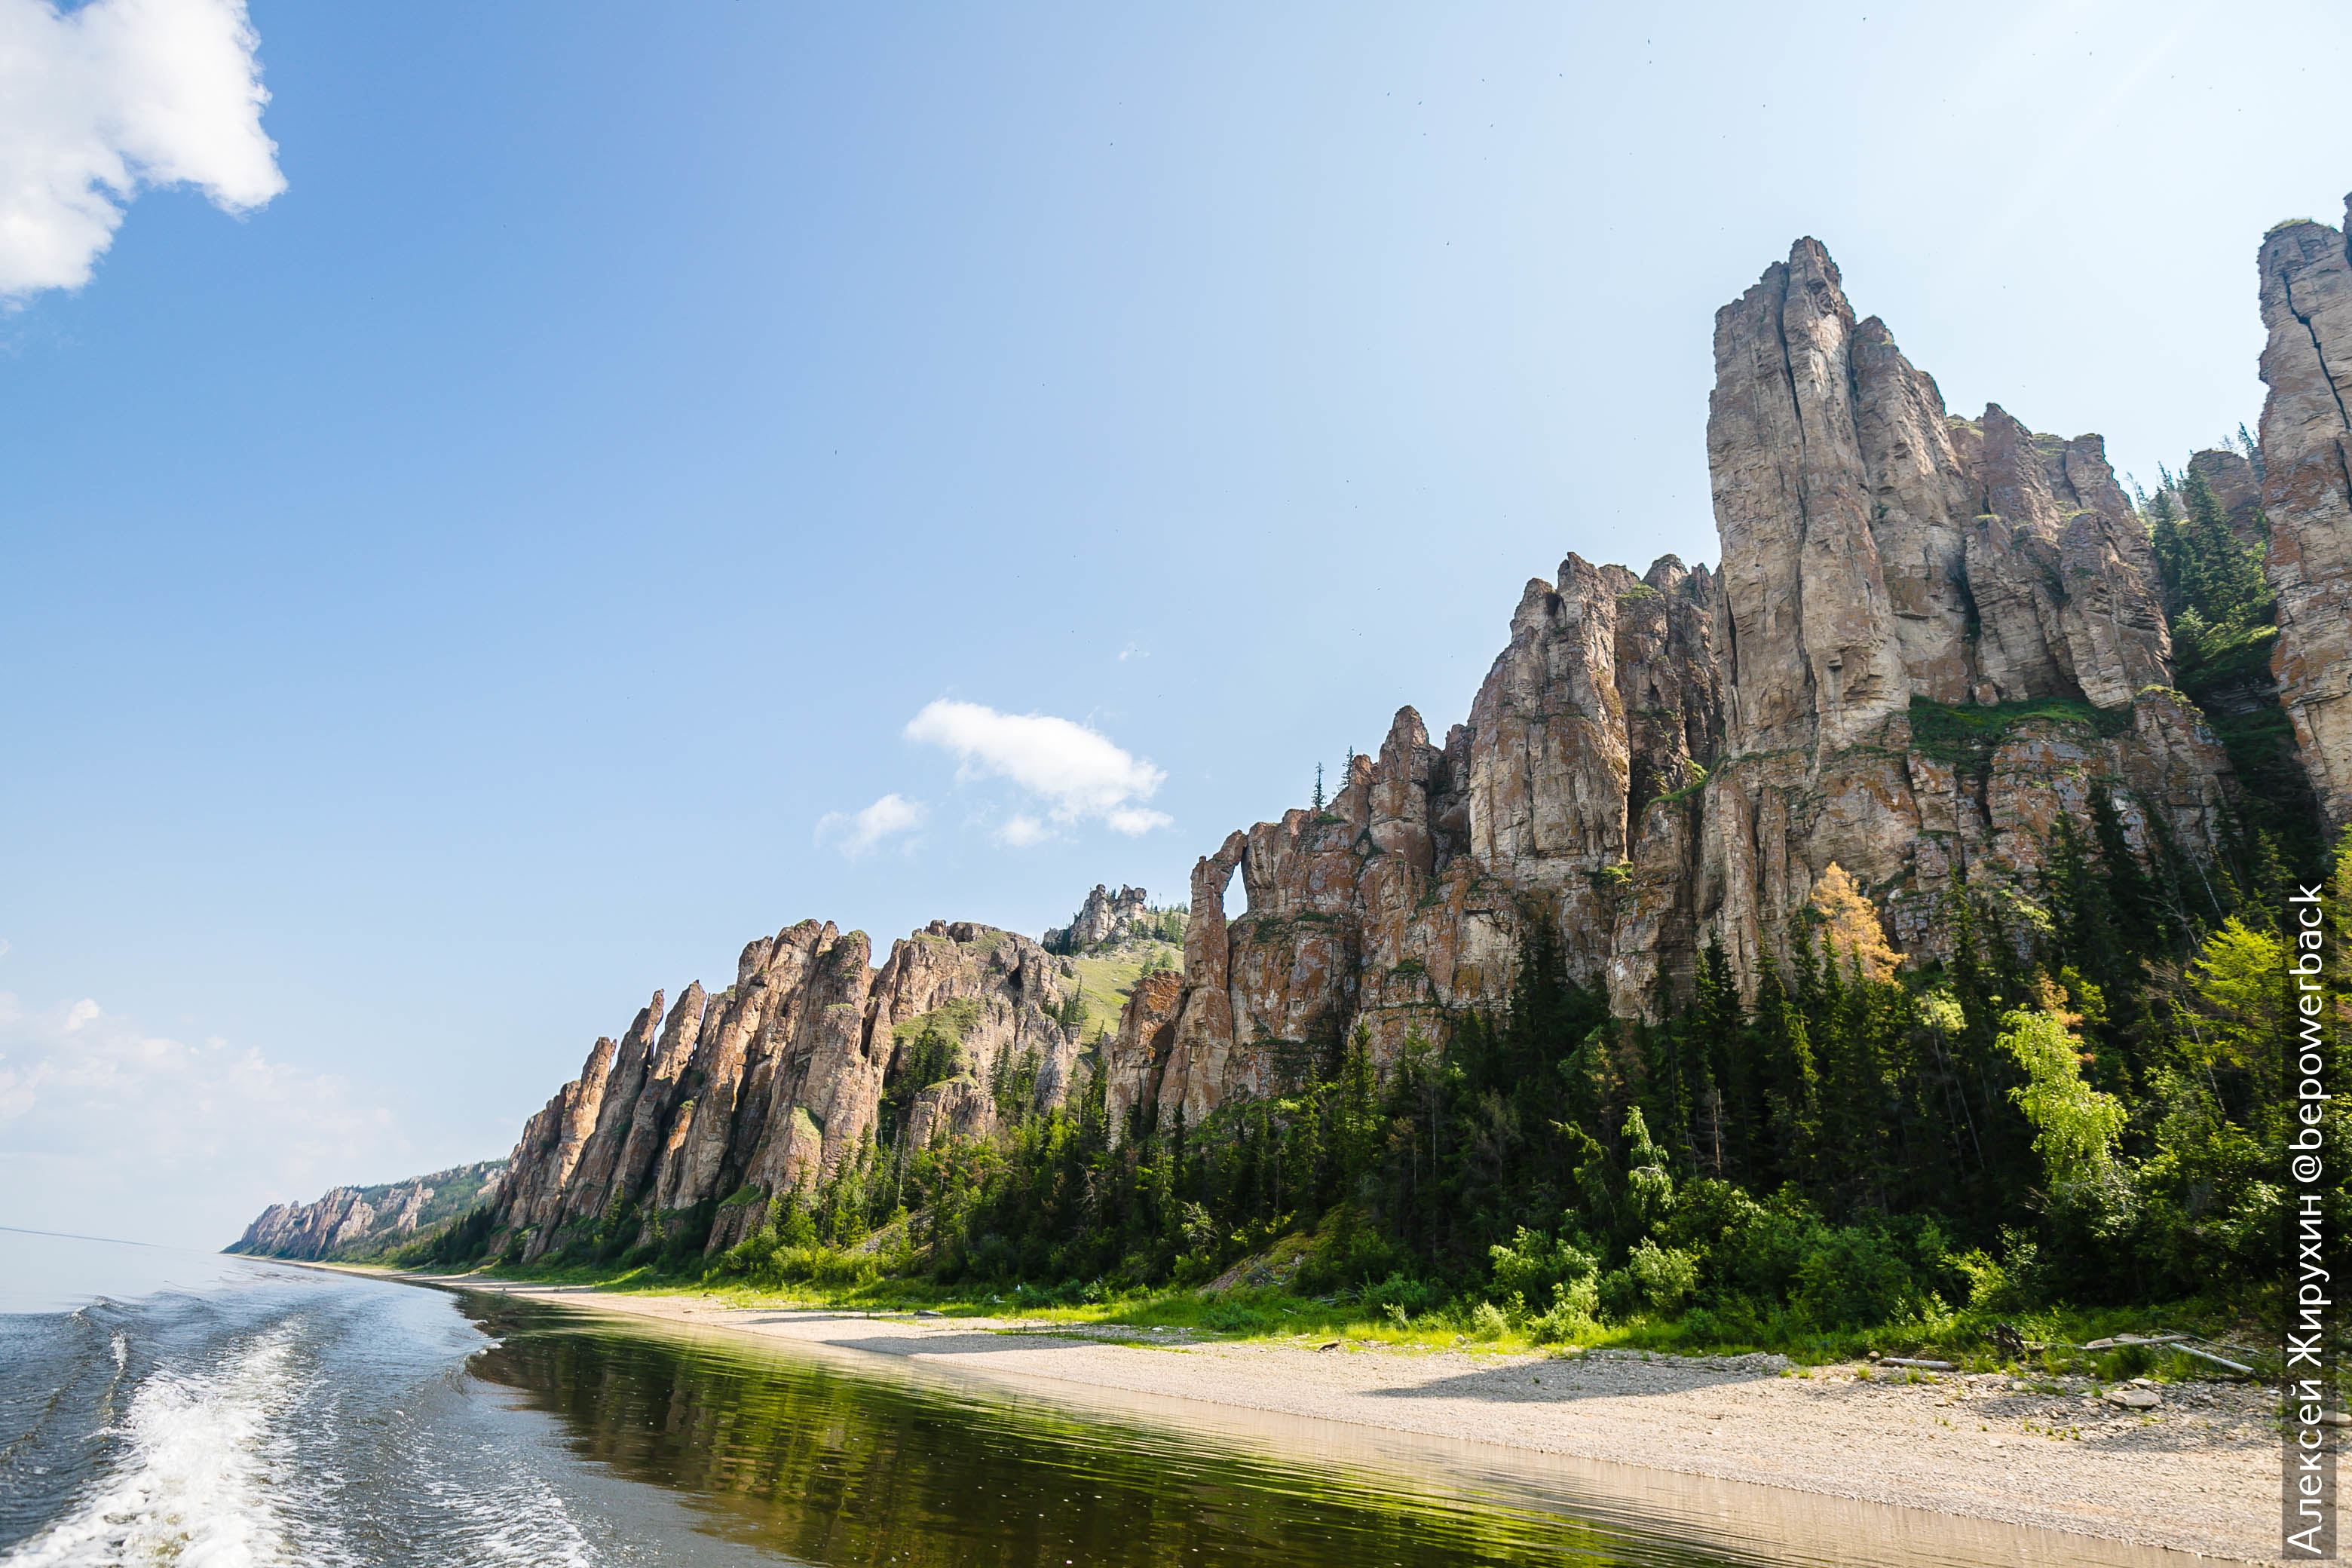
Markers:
point(1078, 773)
point(108, 100)
point(1021, 831)
point(107, 1129)
point(859, 833)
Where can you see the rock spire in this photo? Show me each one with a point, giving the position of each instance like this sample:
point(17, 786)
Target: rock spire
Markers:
point(2307, 445)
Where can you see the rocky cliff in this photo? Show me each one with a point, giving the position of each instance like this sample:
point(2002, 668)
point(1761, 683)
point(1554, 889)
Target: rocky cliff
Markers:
point(363, 1222)
point(1929, 634)
point(1105, 917)
point(703, 1111)
point(2306, 447)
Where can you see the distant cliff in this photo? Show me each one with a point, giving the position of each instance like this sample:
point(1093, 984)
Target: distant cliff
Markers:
point(1107, 916)
point(363, 1222)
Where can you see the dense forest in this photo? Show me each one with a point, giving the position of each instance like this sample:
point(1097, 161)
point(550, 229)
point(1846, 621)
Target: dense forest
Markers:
point(2084, 1106)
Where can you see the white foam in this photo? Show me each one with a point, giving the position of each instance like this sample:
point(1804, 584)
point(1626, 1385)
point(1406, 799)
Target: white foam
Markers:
point(195, 1484)
point(522, 1521)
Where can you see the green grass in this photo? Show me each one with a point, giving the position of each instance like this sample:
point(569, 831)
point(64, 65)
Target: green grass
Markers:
point(954, 1019)
point(1687, 792)
point(1968, 736)
point(1275, 1316)
point(1110, 975)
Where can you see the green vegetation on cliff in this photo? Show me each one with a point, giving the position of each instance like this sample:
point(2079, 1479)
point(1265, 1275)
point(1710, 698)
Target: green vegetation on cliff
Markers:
point(2070, 1124)
point(2066, 1126)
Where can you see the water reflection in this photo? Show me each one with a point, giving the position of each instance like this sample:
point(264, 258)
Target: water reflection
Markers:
point(835, 1466)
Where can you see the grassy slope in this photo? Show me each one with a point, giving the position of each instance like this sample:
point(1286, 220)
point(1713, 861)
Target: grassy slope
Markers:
point(1110, 975)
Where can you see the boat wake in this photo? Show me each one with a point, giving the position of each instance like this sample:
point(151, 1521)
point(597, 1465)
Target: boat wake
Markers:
point(200, 1473)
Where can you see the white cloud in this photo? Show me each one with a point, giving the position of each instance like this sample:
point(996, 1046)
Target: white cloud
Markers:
point(110, 99)
point(1020, 832)
point(1079, 773)
point(107, 1129)
point(857, 833)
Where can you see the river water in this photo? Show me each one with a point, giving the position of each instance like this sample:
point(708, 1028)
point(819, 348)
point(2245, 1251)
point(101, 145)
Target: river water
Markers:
point(161, 1407)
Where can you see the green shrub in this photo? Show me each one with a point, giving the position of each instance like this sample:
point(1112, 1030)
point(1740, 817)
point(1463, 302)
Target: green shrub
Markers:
point(1487, 1322)
point(1400, 1293)
point(766, 1261)
point(2015, 1286)
point(1534, 1262)
point(1666, 1276)
point(1233, 1318)
point(1620, 1295)
point(1748, 1247)
point(1575, 1306)
point(1853, 1277)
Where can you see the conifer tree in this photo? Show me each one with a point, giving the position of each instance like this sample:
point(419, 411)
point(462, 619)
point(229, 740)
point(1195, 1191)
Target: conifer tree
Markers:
point(1784, 1060)
point(2131, 894)
point(1720, 1027)
point(2236, 593)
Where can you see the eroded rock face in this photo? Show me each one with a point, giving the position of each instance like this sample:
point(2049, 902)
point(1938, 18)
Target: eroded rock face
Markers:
point(774, 1080)
point(1654, 764)
point(1137, 1056)
point(1659, 763)
point(363, 1222)
point(1104, 917)
point(2306, 445)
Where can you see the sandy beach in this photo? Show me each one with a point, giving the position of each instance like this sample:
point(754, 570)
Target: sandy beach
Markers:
point(2197, 1473)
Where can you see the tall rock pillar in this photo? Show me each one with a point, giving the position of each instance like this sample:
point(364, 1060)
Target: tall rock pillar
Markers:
point(2306, 443)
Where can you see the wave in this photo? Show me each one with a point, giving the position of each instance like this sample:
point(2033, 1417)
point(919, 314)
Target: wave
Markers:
point(199, 1479)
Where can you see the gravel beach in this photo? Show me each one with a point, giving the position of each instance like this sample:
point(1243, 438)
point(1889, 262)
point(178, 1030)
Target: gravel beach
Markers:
point(2196, 1472)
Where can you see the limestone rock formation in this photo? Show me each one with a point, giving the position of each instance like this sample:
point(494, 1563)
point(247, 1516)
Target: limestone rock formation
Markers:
point(1658, 763)
point(1929, 636)
point(1878, 554)
point(746, 1094)
point(363, 1222)
point(2307, 445)
point(1104, 917)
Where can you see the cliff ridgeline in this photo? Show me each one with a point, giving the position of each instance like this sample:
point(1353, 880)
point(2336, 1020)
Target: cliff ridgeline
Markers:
point(1877, 921)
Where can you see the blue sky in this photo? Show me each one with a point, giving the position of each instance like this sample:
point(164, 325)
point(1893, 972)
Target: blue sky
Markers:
point(488, 578)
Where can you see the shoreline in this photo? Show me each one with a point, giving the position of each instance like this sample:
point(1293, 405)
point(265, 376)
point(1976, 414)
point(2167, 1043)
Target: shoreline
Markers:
point(2197, 1475)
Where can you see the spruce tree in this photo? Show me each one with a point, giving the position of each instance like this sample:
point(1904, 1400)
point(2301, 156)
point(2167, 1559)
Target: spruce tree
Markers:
point(2231, 588)
point(2131, 894)
point(1719, 1025)
point(1784, 1060)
